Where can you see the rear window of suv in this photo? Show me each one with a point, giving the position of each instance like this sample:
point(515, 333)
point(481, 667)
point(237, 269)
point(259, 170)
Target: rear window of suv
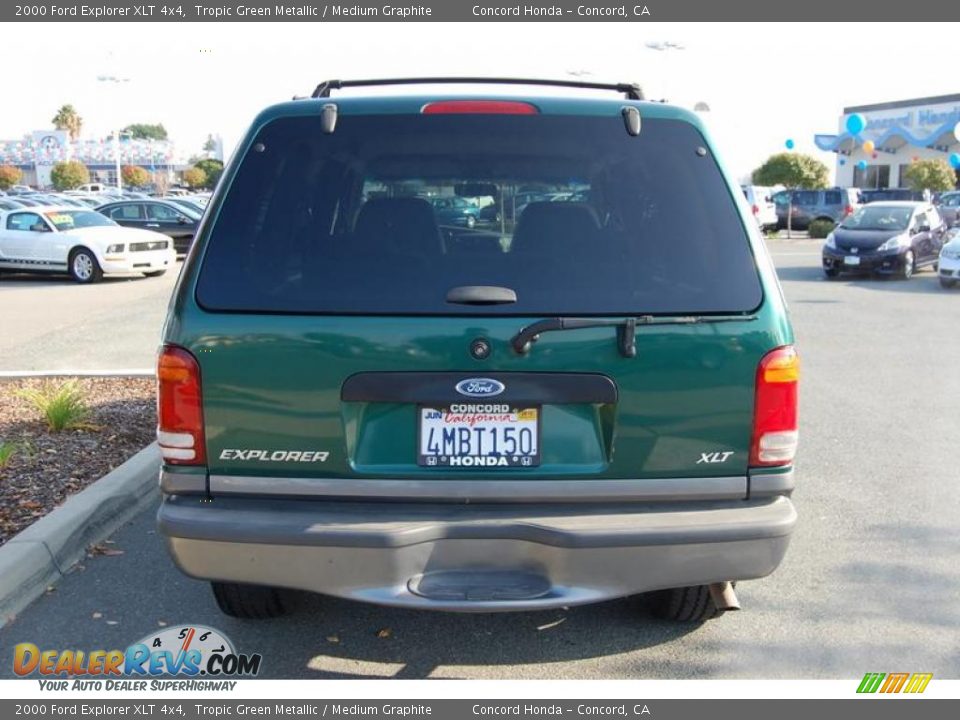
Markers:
point(571, 213)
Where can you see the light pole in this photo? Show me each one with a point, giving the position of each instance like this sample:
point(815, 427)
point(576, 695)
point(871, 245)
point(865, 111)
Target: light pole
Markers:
point(116, 131)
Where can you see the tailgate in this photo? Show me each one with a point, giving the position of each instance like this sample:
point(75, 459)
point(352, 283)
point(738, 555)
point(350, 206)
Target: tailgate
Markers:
point(342, 397)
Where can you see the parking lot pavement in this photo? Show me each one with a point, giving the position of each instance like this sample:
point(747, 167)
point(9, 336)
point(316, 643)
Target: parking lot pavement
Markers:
point(52, 323)
point(871, 580)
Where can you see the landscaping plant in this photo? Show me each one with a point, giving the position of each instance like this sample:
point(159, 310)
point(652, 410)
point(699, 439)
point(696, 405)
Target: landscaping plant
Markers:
point(63, 406)
point(6, 452)
point(820, 228)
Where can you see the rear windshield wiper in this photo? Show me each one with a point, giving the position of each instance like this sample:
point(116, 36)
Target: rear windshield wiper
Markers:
point(626, 328)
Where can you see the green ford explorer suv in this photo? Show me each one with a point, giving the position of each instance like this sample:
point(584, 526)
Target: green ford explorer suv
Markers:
point(588, 395)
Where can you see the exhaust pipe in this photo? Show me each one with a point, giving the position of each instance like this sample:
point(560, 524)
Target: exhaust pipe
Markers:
point(723, 596)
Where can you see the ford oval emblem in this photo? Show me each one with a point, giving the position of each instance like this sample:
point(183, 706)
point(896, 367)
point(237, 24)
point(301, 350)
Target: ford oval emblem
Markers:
point(480, 387)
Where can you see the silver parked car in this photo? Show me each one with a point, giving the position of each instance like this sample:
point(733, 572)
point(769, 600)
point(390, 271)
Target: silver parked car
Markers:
point(949, 207)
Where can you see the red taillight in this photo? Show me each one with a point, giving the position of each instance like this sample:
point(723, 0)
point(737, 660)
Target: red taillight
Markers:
point(179, 408)
point(774, 439)
point(847, 210)
point(484, 107)
point(756, 210)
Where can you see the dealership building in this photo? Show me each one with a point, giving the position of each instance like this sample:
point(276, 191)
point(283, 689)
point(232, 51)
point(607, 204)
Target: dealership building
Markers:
point(37, 153)
point(902, 132)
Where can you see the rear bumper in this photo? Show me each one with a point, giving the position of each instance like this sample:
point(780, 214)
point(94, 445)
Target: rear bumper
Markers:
point(475, 557)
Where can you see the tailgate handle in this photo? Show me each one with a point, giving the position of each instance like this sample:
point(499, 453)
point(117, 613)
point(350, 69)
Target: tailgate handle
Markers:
point(481, 295)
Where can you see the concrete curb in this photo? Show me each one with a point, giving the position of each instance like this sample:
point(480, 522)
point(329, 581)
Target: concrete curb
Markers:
point(44, 552)
point(20, 374)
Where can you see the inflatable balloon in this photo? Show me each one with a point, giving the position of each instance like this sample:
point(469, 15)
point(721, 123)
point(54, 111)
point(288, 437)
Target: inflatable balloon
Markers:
point(843, 161)
point(789, 144)
point(856, 123)
point(874, 156)
point(955, 160)
point(862, 164)
point(868, 146)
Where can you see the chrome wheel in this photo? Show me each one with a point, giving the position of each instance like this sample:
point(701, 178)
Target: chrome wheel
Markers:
point(83, 266)
point(908, 268)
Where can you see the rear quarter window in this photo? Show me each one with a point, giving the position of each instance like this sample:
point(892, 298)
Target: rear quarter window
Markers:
point(588, 219)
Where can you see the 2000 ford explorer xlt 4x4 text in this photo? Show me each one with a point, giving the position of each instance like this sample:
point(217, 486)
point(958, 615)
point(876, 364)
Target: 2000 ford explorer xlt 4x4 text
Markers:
point(587, 392)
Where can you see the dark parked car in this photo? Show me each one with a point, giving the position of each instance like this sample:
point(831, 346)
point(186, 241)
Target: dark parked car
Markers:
point(178, 223)
point(805, 206)
point(187, 203)
point(26, 200)
point(455, 211)
point(948, 205)
point(9, 203)
point(893, 195)
point(892, 238)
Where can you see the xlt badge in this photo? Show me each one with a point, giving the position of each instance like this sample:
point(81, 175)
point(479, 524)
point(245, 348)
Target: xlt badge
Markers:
point(714, 457)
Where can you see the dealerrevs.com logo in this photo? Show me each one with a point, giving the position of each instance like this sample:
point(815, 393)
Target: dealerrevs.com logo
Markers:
point(888, 683)
point(203, 655)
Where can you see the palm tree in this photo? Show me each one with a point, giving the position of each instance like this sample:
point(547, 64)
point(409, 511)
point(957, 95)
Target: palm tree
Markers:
point(68, 119)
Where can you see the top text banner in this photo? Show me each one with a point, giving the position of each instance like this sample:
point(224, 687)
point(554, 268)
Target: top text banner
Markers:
point(473, 11)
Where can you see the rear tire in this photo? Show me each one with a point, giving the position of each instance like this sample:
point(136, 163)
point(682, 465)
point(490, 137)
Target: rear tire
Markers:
point(947, 283)
point(686, 604)
point(155, 273)
point(251, 602)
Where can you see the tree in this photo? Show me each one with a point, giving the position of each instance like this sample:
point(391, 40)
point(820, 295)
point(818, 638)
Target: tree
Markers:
point(68, 119)
point(69, 175)
point(195, 178)
point(933, 175)
point(793, 170)
point(146, 131)
point(9, 176)
point(212, 169)
point(134, 175)
point(210, 145)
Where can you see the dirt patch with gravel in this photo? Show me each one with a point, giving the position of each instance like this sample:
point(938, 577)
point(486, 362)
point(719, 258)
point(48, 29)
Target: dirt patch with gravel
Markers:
point(45, 468)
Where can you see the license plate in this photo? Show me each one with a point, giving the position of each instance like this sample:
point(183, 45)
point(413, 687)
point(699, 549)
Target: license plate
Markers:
point(479, 435)
point(851, 260)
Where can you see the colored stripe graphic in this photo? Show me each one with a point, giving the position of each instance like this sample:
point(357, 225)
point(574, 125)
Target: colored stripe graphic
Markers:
point(870, 682)
point(918, 682)
point(894, 682)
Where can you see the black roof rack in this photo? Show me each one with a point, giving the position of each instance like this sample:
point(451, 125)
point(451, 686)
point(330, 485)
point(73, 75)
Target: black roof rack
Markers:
point(631, 90)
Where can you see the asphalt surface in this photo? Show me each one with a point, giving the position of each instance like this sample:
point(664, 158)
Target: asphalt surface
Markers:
point(871, 581)
point(51, 323)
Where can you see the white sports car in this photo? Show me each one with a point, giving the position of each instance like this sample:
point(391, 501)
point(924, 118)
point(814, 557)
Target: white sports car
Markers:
point(950, 258)
point(81, 242)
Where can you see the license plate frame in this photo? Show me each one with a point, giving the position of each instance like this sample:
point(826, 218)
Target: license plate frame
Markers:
point(481, 460)
point(851, 260)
